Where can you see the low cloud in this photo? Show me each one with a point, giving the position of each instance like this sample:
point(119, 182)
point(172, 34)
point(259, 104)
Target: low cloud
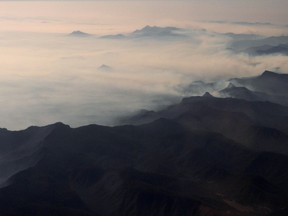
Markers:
point(47, 78)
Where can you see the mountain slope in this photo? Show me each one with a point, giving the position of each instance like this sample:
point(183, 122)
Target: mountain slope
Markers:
point(166, 167)
point(268, 82)
point(269, 86)
point(245, 45)
point(79, 34)
point(203, 156)
point(268, 50)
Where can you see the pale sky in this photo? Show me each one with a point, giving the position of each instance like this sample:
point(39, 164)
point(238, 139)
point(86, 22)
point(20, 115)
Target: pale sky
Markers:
point(97, 16)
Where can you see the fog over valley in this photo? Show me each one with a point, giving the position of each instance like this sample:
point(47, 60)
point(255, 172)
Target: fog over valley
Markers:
point(98, 68)
point(48, 77)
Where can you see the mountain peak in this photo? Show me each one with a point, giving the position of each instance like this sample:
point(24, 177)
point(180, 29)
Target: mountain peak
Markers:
point(148, 27)
point(231, 85)
point(267, 73)
point(79, 34)
point(156, 29)
point(208, 95)
point(104, 68)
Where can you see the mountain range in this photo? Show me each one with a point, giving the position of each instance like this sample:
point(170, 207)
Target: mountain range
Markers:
point(204, 156)
point(251, 44)
point(269, 86)
point(260, 46)
point(268, 50)
point(154, 32)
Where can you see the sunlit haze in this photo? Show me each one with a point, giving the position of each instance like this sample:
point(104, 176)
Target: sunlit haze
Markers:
point(48, 75)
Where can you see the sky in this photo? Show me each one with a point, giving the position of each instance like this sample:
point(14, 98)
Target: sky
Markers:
point(100, 16)
point(47, 76)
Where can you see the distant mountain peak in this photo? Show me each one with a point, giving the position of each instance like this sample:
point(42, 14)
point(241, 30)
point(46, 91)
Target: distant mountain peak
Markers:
point(231, 85)
point(268, 73)
point(208, 95)
point(156, 29)
point(151, 32)
point(117, 36)
point(78, 33)
point(148, 27)
point(104, 68)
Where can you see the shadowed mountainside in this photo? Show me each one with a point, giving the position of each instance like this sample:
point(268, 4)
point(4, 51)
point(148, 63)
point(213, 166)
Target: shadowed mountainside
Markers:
point(260, 46)
point(204, 156)
point(268, 50)
point(269, 86)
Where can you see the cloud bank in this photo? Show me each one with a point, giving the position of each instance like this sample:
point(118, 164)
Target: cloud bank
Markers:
point(48, 76)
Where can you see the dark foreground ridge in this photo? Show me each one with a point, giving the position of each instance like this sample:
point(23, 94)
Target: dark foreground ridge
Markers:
point(204, 156)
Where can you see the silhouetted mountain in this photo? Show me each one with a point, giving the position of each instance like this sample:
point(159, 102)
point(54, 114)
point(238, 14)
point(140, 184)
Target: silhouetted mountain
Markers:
point(117, 36)
point(242, 93)
point(203, 156)
point(269, 45)
point(207, 94)
point(155, 31)
point(159, 168)
point(254, 120)
point(268, 82)
point(268, 50)
point(253, 23)
point(79, 34)
point(198, 88)
point(152, 32)
point(241, 37)
point(104, 68)
point(20, 150)
point(272, 41)
point(269, 86)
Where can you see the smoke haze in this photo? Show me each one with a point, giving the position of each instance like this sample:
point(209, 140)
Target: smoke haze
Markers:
point(48, 75)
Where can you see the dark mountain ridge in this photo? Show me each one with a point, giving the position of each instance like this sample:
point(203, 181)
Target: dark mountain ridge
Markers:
point(204, 156)
point(269, 86)
point(268, 50)
point(260, 46)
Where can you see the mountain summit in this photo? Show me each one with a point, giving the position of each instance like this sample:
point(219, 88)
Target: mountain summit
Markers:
point(268, 74)
point(105, 68)
point(79, 34)
point(151, 32)
point(207, 94)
